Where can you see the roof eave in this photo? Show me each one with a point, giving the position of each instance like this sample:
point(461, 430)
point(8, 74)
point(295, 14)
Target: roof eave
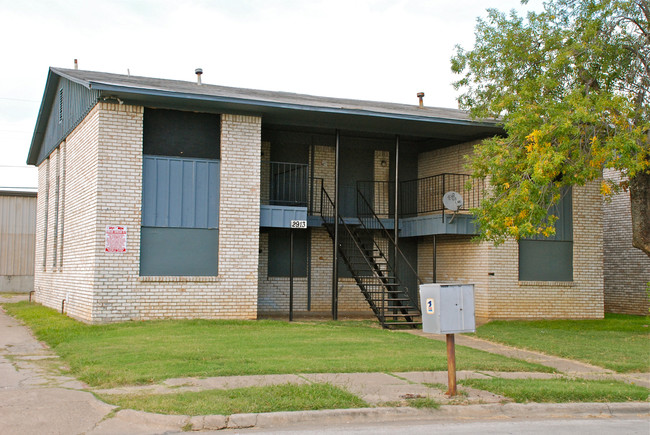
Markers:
point(259, 106)
point(42, 117)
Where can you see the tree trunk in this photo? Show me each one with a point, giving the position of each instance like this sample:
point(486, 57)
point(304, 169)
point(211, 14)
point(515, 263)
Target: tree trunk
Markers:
point(640, 206)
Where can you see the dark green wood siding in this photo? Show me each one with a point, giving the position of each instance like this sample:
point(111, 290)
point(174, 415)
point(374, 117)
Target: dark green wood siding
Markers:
point(71, 104)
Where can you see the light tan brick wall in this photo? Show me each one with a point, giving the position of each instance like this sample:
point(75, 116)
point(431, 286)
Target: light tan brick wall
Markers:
point(579, 299)
point(459, 260)
point(350, 297)
point(274, 291)
point(324, 166)
point(104, 187)
point(71, 280)
point(495, 270)
point(381, 172)
point(450, 159)
point(627, 269)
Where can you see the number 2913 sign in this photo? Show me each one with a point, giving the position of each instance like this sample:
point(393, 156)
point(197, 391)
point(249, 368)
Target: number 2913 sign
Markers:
point(298, 224)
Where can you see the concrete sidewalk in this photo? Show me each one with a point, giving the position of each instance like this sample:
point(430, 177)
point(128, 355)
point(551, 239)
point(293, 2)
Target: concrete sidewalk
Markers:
point(35, 398)
point(567, 366)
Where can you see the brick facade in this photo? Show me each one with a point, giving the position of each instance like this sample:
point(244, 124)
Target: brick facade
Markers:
point(103, 186)
point(494, 270)
point(274, 291)
point(94, 179)
point(627, 269)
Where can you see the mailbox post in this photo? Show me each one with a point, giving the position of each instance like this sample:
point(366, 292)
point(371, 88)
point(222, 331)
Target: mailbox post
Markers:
point(448, 309)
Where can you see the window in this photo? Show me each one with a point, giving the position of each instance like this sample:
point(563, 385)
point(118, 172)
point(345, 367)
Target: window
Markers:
point(279, 252)
point(174, 133)
point(180, 193)
point(550, 258)
point(180, 216)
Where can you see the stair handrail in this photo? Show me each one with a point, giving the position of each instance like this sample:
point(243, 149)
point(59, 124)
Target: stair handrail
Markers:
point(385, 231)
point(349, 232)
point(325, 195)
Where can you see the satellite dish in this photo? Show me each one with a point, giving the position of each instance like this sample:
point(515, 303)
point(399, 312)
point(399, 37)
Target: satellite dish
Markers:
point(452, 201)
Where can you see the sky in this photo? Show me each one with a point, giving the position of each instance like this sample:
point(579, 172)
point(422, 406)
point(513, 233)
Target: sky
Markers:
point(382, 50)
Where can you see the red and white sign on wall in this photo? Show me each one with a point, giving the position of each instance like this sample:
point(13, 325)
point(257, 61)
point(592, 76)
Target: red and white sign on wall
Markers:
point(115, 238)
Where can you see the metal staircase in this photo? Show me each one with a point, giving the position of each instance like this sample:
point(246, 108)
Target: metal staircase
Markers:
point(375, 275)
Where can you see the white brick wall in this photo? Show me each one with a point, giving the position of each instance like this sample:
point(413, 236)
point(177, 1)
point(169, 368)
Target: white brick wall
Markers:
point(104, 187)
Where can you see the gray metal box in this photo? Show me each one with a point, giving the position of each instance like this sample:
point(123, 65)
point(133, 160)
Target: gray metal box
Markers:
point(447, 308)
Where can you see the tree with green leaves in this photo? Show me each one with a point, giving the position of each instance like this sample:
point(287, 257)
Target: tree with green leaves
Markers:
point(571, 85)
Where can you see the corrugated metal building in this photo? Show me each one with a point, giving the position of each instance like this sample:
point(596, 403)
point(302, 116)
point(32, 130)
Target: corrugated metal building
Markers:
point(17, 237)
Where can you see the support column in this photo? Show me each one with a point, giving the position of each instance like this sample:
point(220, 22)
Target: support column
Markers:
point(396, 211)
point(291, 230)
point(335, 266)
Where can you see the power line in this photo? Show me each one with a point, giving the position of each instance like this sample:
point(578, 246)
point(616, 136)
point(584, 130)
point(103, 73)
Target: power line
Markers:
point(18, 99)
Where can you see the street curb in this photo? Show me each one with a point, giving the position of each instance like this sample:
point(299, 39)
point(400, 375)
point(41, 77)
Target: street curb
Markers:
point(365, 415)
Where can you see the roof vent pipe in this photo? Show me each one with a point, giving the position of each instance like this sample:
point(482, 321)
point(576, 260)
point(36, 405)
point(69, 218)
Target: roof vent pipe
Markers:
point(198, 73)
point(421, 97)
point(76, 64)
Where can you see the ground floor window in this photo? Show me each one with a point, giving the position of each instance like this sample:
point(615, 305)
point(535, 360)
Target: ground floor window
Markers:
point(180, 217)
point(550, 258)
point(178, 251)
point(279, 252)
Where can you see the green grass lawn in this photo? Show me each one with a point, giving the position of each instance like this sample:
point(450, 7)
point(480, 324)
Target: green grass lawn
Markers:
point(617, 342)
point(287, 397)
point(560, 390)
point(147, 352)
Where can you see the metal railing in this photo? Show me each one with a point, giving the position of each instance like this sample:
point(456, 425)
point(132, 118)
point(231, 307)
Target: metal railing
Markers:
point(421, 196)
point(315, 196)
point(371, 270)
point(424, 195)
point(406, 274)
point(285, 184)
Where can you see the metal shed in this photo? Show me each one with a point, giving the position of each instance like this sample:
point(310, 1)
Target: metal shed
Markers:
point(17, 240)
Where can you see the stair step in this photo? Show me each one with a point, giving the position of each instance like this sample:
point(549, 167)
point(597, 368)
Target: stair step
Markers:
point(377, 278)
point(390, 324)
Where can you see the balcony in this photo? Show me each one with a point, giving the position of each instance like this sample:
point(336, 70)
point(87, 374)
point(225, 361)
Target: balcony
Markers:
point(421, 208)
point(284, 193)
point(289, 193)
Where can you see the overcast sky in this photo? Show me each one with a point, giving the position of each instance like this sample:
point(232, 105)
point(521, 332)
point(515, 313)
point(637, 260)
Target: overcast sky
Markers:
point(384, 50)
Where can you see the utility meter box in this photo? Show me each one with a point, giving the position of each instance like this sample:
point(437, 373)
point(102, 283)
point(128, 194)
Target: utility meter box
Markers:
point(447, 308)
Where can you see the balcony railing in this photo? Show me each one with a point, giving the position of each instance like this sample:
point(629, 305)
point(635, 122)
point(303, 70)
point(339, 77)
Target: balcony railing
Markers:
point(285, 184)
point(421, 196)
point(289, 184)
point(424, 195)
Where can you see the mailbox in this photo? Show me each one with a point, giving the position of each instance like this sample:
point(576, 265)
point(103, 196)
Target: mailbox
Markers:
point(447, 308)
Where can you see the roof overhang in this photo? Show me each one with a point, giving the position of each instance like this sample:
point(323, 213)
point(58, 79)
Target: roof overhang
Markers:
point(299, 111)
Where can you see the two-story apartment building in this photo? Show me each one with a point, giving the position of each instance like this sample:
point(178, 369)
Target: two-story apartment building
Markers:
point(171, 199)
